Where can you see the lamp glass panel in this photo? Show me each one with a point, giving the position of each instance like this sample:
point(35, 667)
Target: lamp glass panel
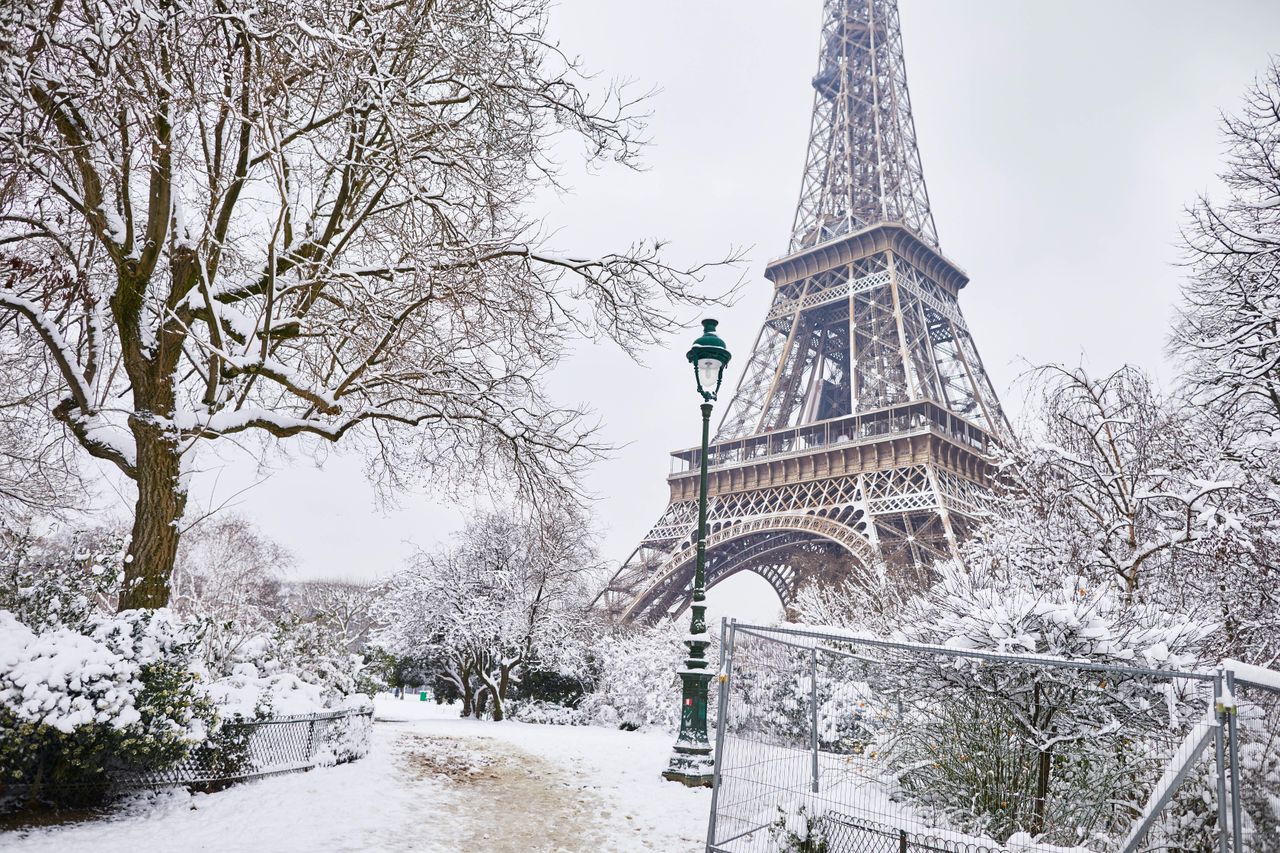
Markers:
point(708, 373)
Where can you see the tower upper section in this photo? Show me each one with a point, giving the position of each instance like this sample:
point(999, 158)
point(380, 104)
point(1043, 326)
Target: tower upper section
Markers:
point(865, 318)
point(862, 165)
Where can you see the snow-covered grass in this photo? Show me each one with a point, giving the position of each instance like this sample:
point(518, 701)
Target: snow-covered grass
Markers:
point(431, 782)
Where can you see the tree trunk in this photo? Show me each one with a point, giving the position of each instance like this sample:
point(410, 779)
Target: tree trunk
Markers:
point(162, 498)
point(1040, 802)
point(498, 714)
point(482, 697)
point(500, 695)
point(1040, 805)
point(468, 695)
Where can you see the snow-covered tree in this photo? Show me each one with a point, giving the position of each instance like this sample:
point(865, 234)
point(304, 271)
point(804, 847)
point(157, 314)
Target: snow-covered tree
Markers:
point(1227, 339)
point(860, 598)
point(233, 218)
point(495, 603)
point(1111, 454)
point(228, 576)
point(1228, 329)
point(1009, 747)
point(1232, 573)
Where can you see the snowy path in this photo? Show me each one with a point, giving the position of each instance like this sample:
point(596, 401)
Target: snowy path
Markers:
point(429, 784)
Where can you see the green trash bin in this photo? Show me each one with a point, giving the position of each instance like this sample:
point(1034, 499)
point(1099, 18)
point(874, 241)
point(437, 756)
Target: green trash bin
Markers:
point(422, 696)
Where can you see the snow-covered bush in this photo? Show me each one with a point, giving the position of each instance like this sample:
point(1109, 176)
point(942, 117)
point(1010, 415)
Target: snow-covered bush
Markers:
point(549, 713)
point(295, 668)
point(58, 581)
point(75, 704)
point(636, 686)
point(317, 655)
point(129, 693)
point(346, 738)
point(798, 829)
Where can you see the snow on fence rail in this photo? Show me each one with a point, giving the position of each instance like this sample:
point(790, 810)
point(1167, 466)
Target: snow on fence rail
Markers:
point(248, 749)
point(845, 743)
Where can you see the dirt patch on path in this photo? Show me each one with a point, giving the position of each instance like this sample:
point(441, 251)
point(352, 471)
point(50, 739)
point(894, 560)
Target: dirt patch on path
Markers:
point(504, 800)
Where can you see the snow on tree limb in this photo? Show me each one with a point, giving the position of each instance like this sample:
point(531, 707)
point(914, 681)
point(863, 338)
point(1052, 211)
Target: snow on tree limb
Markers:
point(312, 221)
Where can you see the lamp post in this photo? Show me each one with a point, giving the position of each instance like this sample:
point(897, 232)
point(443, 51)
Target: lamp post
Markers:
point(691, 760)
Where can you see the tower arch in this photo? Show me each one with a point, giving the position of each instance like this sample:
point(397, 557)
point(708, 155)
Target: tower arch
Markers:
point(787, 550)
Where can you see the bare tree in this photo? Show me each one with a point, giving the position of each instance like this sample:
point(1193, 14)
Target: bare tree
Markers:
point(1228, 328)
point(343, 607)
point(228, 574)
point(229, 218)
point(230, 571)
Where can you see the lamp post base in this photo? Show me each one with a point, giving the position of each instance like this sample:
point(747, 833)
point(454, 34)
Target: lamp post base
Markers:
point(691, 765)
point(691, 760)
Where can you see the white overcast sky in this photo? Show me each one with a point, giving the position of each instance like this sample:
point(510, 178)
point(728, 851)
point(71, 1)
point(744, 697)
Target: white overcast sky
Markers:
point(1060, 142)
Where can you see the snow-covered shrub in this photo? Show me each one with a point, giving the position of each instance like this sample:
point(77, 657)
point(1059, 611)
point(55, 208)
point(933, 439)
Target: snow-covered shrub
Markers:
point(798, 829)
point(297, 668)
point(1259, 754)
point(636, 686)
point(74, 705)
point(562, 685)
point(346, 738)
point(58, 581)
point(549, 713)
point(1000, 748)
point(248, 694)
point(553, 693)
point(315, 654)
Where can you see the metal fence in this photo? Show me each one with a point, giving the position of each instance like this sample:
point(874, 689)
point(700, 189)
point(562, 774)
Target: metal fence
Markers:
point(246, 750)
point(239, 751)
point(832, 743)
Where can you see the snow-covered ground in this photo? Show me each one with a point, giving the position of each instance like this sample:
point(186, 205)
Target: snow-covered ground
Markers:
point(432, 782)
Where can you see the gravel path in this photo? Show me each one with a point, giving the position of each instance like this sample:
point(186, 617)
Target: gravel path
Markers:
point(431, 784)
point(501, 798)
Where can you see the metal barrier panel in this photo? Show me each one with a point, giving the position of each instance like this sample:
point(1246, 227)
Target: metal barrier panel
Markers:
point(1255, 766)
point(831, 743)
point(254, 748)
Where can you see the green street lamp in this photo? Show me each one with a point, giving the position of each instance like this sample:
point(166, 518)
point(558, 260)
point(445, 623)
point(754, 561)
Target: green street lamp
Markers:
point(691, 761)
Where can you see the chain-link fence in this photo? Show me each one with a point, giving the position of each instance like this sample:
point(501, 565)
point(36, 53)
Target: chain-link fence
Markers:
point(834, 743)
point(1254, 748)
point(264, 747)
point(238, 751)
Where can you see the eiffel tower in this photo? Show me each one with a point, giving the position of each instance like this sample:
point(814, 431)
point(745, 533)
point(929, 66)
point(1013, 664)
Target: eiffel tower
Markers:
point(861, 427)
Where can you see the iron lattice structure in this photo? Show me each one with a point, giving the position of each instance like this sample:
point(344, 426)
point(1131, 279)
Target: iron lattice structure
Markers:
point(862, 424)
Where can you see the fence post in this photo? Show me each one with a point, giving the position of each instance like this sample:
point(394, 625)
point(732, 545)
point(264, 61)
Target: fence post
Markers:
point(1237, 831)
point(311, 739)
point(1220, 755)
point(722, 715)
point(813, 711)
point(902, 841)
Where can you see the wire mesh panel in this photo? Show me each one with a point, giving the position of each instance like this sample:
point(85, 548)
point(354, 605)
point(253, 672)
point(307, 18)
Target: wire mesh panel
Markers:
point(1255, 764)
point(244, 750)
point(837, 743)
